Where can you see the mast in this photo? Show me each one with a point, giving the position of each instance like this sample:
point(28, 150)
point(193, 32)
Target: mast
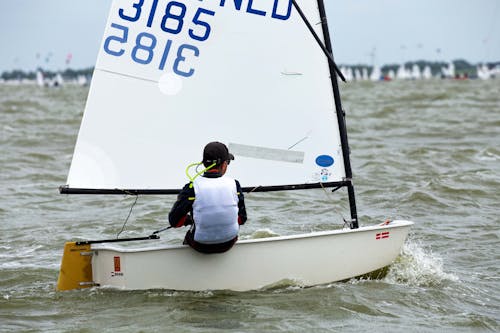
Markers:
point(340, 117)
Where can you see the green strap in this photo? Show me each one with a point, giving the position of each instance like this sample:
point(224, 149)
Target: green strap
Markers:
point(191, 179)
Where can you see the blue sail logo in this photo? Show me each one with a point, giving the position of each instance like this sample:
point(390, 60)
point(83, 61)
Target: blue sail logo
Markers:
point(324, 161)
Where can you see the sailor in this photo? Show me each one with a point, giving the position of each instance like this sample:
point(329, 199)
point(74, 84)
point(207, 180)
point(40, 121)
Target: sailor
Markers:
point(212, 204)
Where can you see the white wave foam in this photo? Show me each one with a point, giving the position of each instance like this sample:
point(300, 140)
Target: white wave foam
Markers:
point(416, 267)
point(262, 233)
point(487, 155)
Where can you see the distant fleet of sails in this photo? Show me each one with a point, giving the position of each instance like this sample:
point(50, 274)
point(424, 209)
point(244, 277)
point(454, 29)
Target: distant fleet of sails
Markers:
point(58, 80)
point(350, 73)
point(415, 73)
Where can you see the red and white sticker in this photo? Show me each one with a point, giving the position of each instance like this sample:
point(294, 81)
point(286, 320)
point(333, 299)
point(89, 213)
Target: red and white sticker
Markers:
point(382, 235)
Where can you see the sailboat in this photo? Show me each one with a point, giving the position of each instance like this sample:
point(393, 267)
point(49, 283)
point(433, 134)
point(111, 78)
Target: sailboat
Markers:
point(172, 76)
point(449, 71)
point(415, 72)
point(376, 73)
point(483, 72)
point(427, 73)
point(40, 80)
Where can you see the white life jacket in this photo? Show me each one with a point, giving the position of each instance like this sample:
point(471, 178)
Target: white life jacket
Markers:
point(215, 210)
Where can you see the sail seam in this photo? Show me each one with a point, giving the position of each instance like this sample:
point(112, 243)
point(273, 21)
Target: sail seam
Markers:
point(127, 75)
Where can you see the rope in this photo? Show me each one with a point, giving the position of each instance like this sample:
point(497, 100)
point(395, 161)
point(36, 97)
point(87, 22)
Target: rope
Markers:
point(129, 213)
point(328, 195)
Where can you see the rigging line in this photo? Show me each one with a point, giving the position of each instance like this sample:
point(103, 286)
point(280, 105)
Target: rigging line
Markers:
point(318, 40)
point(128, 216)
point(161, 230)
point(336, 211)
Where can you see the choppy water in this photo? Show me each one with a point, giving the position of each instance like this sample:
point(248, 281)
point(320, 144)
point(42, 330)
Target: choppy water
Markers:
point(424, 151)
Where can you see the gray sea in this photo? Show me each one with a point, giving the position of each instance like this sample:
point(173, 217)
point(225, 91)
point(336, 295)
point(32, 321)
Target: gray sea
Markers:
point(426, 151)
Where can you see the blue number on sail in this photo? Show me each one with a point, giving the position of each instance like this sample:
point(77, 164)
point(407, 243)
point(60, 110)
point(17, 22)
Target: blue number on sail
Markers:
point(120, 39)
point(180, 59)
point(169, 16)
point(148, 49)
point(166, 51)
point(138, 9)
point(152, 13)
point(198, 21)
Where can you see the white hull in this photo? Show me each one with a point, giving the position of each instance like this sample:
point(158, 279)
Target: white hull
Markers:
point(309, 259)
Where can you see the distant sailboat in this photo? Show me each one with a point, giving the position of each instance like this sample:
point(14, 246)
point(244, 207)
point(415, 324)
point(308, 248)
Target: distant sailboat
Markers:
point(483, 72)
point(449, 71)
point(357, 74)
point(82, 80)
point(349, 76)
point(402, 74)
point(427, 73)
point(415, 72)
point(376, 73)
point(57, 81)
point(495, 72)
point(391, 75)
point(154, 80)
point(40, 81)
point(364, 75)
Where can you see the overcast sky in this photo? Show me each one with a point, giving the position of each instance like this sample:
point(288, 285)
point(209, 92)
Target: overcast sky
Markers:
point(43, 32)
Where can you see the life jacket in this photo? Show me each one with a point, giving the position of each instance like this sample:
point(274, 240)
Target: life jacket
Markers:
point(215, 210)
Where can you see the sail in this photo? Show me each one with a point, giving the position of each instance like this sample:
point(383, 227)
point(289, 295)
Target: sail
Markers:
point(172, 76)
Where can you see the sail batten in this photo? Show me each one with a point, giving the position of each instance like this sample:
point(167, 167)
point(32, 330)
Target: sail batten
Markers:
point(171, 78)
point(129, 76)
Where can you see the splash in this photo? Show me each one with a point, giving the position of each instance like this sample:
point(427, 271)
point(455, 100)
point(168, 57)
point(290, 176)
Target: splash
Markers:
point(417, 267)
point(284, 284)
point(263, 233)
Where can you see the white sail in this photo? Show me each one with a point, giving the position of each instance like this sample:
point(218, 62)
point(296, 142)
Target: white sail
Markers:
point(172, 76)
point(349, 76)
point(391, 75)
point(81, 80)
point(448, 72)
point(483, 72)
point(357, 75)
point(365, 74)
point(40, 80)
point(415, 72)
point(376, 73)
point(58, 80)
point(401, 74)
point(427, 73)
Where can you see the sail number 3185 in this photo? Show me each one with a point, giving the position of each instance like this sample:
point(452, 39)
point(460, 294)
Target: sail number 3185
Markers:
point(146, 45)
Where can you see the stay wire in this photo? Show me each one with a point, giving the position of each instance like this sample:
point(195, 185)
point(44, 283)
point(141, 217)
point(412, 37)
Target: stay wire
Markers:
point(328, 195)
point(129, 213)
